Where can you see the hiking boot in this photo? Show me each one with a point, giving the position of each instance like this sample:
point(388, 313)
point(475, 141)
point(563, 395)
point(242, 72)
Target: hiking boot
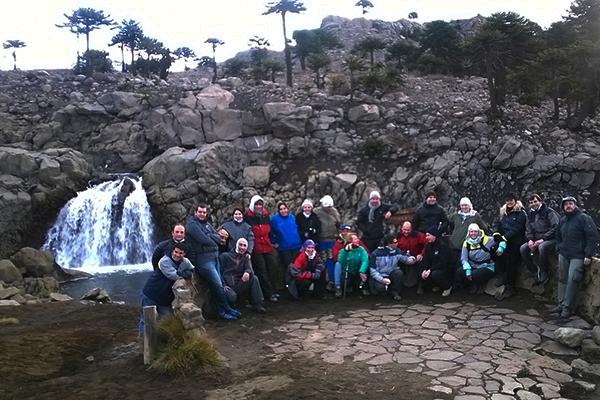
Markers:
point(556, 310)
point(338, 292)
point(235, 313)
point(447, 292)
point(481, 289)
point(273, 299)
point(474, 288)
point(259, 308)
point(227, 316)
point(436, 289)
point(509, 291)
point(330, 286)
point(544, 277)
point(396, 296)
point(365, 292)
point(501, 280)
point(566, 313)
point(420, 290)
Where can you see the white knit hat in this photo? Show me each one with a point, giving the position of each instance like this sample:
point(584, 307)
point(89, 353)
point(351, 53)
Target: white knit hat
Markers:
point(374, 194)
point(327, 201)
point(465, 200)
point(307, 201)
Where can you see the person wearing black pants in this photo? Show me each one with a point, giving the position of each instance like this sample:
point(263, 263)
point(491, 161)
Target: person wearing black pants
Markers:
point(436, 265)
point(306, 269)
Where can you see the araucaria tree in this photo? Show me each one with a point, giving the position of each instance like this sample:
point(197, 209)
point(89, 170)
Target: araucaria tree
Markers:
point(318, 63)
point(214, 42)
point(84, 21)
point(130, 35)
point(364, 4)
point(283, 7)
point(14, 44)
point(185, 53)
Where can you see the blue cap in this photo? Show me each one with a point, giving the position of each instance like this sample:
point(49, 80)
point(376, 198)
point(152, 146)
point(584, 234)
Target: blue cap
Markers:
point(346, 226)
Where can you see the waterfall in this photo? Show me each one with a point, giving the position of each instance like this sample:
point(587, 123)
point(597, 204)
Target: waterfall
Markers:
point(108, 225)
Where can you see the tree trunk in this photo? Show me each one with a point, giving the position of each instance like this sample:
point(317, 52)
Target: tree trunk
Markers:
point(288, 54)
point(491, 86)
point(588, 103)
point(123, 69)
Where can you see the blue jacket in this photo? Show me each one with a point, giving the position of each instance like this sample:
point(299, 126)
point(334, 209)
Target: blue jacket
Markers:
point(576, 236)
point(203, 237)
point(284, 232)
point(159, 284)
point(384, 260)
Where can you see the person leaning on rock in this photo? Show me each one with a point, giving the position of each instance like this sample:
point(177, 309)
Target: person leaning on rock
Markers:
point(238, 276)
point(430, 213)
point(576, 243)
point(371, 219)
point(165, 248)
point(158, 288)
point(540, 229)
point(384, 266)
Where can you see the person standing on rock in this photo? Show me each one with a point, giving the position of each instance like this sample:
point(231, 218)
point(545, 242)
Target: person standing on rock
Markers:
point(158, 288)
point(371, 220)
point(330, 225)
point(237, 228)
point(308, 222)
point(412, 243)
point(459, 228)
point(238, 277)
point(205, 240)
point(165, 248)
point(540, 229)
point(385, 274)
point(576, 243)
point(430, 213)
point(509, 226)
point(284, 235)
point(264, 256)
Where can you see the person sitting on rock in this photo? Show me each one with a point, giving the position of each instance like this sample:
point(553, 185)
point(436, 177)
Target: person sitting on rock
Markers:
point(158, 288)
point(238, 276)
point(459, 226)
point(165, 248)
point(385, 273)
point(540, 229)
point(436, 265)
point(476, 259)
point(237, 228)
point(308, 222)
point(352, 267)
point(306, 269)
point(371, 220)
point(430, 213)
point(412, 243)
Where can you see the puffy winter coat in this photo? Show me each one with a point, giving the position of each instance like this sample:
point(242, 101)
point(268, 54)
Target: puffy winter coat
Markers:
point(576, 236)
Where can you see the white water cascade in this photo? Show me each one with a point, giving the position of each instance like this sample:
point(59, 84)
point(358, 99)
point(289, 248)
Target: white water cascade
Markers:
point(104, 229)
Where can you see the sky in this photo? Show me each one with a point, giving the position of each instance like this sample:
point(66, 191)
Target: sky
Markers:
point(178, 23)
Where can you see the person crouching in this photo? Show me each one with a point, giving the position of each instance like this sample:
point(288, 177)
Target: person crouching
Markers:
point(386, 275)
point(306, 269)
point(238, 277)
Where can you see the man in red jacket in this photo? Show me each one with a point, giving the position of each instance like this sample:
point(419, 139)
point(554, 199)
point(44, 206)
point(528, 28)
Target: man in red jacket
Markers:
point(412, 242)
point(264, 256)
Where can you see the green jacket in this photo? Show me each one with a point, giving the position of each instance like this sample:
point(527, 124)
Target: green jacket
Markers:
point(356, 260)
point(459, 229)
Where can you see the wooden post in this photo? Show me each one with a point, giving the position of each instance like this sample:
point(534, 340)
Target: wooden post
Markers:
point(150, 333)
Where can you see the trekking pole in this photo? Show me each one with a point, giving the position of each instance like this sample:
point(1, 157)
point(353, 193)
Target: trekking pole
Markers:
point(345, 281)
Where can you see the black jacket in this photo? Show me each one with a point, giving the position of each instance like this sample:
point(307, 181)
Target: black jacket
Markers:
point(576, 236)
point(427, 215)
point(374, 230)
point(308, 228)
point(165, 248)
point(511, 224)
point(437, 256)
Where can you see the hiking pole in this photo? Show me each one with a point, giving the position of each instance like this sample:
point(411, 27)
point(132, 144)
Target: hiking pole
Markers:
point(345, 281)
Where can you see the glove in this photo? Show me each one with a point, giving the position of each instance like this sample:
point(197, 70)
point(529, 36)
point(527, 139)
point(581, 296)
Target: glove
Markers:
point(316, 274)
point(185, 274)
point(497, 237)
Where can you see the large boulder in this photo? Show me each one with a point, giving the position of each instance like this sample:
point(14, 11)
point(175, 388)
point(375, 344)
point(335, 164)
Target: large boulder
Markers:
point(8, 272)
point(364, 113)
point(36, 263)
point(213, 98)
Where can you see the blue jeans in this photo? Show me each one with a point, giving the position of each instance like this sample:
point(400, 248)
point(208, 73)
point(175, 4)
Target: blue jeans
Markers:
point(326, 254)
point(207, 266)
point(162, 311)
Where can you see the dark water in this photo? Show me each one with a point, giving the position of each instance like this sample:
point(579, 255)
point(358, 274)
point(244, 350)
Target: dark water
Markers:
point(120, 286)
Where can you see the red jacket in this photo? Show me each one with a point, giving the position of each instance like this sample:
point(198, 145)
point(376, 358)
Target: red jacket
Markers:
point(303, 268)
point(261, 227)
point(415, 243)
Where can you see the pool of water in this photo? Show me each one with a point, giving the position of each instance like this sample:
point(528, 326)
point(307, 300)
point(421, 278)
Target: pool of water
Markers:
point(120, 285)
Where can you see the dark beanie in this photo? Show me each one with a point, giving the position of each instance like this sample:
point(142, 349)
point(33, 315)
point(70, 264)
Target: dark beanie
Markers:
point(511, 195)
point(433, 230)
point(430, 193)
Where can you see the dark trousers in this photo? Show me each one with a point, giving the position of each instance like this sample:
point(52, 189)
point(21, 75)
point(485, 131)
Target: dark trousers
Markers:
point(509, 262)
point(318, 290)
point(287, 257)
point(396, 277)
point(441, 278)
point(479, 276)
point(252, 286)
point(372, 243)
point(265, 267)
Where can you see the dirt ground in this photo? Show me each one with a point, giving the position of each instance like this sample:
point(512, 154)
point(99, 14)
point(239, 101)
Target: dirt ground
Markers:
point(74, 351)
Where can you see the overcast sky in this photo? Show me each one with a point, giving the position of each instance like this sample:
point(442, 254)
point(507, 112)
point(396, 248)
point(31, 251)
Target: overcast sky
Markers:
point(179, 23)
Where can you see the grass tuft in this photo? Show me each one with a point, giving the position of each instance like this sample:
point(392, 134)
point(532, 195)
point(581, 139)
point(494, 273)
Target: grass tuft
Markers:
point(9, 321)
point(179, 352)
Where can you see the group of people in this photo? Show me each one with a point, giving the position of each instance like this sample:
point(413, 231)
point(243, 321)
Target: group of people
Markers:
point(254, 254)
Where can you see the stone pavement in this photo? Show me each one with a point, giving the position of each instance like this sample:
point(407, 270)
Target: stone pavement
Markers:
point(470, 351)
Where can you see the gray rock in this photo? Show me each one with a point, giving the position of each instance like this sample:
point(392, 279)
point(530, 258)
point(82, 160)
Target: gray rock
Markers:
point(37, 263)
point(9, 303)
point(596, 334)
point(59, 297)
point(9, 272)
point(97, 294)
point(274, 111)
point(364, 113)
point(590, 350)
point(256, 176)
point(214, 97)
point(8, 293)
point(571, 337)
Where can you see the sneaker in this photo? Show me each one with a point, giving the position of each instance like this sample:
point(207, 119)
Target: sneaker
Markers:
point(555, 310)
point(474, 288)
point(396, 296)
point(447, 292)
point(259, 308)
point(436, 289)
point(338, 292)
point(273, 299)
point(420, 290)
point(235, 313)
point(330, 286)
point(227, 316)
point(277, 295)
point(566, 313)
point(365, 292)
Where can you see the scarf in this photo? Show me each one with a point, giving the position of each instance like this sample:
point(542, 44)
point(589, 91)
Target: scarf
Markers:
point(372, 209)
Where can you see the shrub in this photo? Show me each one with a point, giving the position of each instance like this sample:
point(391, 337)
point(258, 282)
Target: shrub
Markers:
point(9, 321)
point(179, 352)
point(374, 146)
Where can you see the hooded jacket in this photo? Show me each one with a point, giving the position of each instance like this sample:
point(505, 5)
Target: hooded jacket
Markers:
point(576, 236)
point(308, 227)
point(261, 227)
point(460, 227)
point(479, 255)
point(284, 232)
point(203, 237)
point(437, 256)
point(233, 265)
point(356, 260)
point(511, 224)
